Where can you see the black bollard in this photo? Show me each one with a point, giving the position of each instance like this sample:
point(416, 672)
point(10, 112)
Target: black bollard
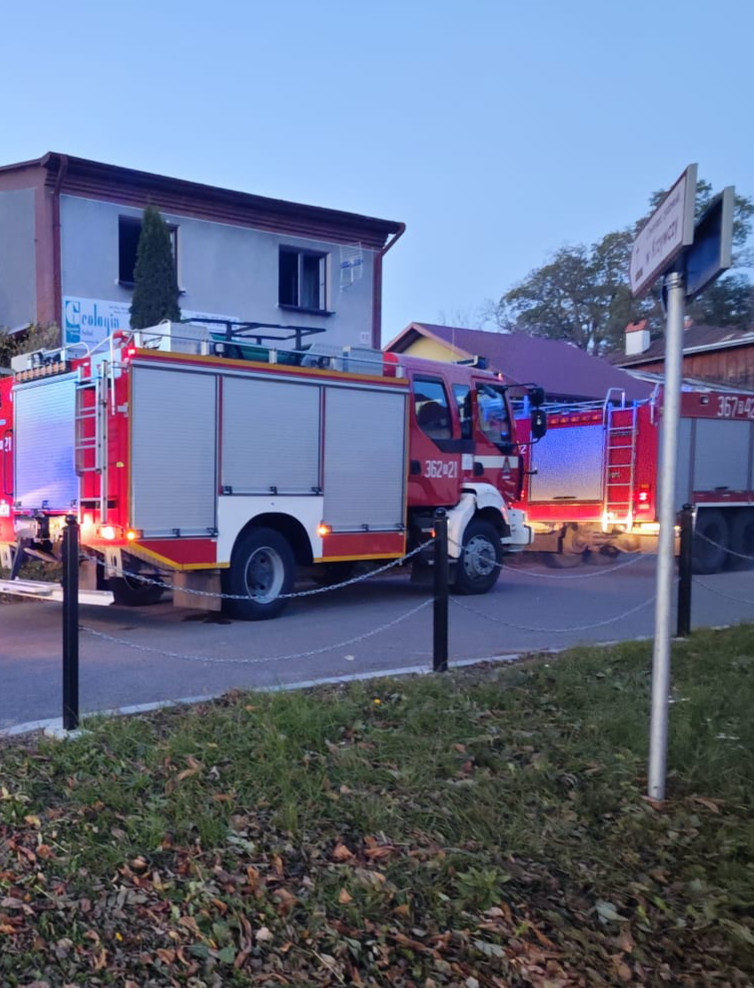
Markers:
point(684, 571)
point(71, 624)
point(440, 637)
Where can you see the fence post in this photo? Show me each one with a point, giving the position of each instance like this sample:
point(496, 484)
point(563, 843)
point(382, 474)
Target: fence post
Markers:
point(71, 624)
point(440, 636)
point(685, 559)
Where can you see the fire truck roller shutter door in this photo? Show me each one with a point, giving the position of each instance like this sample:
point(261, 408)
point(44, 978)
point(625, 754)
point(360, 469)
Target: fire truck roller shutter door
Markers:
point(173, 452)
point(44, 439)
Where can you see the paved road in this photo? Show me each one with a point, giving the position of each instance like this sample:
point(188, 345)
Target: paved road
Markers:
point(144, 655)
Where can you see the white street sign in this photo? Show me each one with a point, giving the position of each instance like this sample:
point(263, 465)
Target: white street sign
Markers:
point(668, 230)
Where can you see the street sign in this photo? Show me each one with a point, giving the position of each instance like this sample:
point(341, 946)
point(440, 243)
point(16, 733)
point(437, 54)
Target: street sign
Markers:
point(668, 230)
point(710, 254)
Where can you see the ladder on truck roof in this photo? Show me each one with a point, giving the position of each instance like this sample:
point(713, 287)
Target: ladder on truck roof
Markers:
point(90, 442)
point(619, 461)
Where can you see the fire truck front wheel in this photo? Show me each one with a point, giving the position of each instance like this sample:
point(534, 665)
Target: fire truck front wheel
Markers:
point(262, 569)
point(478, 567)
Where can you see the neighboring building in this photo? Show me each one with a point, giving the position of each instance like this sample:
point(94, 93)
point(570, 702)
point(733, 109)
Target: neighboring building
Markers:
point(566, 372)
point(69, 230)
point(711, 354)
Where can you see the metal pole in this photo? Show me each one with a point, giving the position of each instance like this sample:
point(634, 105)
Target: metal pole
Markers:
point(684, 571)
point(671, 406)
point(71, 624)
point(440, 629)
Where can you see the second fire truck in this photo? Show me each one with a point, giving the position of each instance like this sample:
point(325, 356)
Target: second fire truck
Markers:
point(593, 482)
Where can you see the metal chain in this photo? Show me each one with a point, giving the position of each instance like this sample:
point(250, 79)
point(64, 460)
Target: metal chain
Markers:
point(720, 593)
point(602, 571)
point(212, 660)
point(717, 545)
point(283, 596)
point(583, 627)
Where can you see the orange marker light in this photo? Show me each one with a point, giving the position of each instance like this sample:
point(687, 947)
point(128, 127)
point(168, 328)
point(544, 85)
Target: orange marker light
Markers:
point(323, 530)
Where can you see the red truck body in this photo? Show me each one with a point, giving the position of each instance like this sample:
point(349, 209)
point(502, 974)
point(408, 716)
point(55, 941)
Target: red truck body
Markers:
point(183, 459)
point(592, 482)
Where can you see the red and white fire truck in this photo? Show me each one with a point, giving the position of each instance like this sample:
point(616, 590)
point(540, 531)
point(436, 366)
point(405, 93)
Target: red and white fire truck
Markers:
point(221, 465)
point(592, 483)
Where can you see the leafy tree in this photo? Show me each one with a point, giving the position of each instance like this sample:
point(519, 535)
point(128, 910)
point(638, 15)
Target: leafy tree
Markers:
point(155, 281)
point(582, 293)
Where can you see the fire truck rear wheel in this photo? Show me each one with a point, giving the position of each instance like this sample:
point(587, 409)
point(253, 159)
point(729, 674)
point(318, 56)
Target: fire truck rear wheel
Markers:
point(478, 568)
point(262, 568)
point(742, 540)
point(711, 541)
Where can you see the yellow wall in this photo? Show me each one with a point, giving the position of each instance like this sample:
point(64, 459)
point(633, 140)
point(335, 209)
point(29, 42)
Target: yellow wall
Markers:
point(434, 351)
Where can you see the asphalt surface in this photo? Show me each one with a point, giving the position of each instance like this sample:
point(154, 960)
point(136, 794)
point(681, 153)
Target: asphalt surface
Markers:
point(134, 656)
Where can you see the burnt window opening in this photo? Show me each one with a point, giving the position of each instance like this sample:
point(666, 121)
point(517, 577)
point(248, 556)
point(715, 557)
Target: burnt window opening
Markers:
point(302, 279)
point(129, 231)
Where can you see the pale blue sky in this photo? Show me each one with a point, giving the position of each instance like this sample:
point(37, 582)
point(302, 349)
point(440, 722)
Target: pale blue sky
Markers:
point(497, 131)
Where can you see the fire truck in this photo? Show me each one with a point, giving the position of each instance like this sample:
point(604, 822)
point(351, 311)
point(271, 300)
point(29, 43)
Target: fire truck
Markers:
point(226, 468)
point(591, 486)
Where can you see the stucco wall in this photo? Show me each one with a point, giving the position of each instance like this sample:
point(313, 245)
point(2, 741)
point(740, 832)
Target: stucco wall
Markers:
point(433, 351)
point(224, 270)
point(17, 259)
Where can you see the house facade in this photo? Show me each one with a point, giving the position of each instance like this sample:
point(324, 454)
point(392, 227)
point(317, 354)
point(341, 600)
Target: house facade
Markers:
point(69, 229)
point(712, 355)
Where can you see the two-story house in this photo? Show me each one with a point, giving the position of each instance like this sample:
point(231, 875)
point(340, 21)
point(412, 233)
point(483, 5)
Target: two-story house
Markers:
point(69, 230)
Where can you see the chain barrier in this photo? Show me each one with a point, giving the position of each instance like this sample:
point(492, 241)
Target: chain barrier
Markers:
point(725, 548)
point(583, 627)
point(283, 596)
point(602, 571)
point(720, 593)
point(213, 660)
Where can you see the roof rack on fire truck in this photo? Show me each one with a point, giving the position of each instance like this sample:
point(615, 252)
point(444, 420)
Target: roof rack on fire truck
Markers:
point(268, 343)
point(257, 332)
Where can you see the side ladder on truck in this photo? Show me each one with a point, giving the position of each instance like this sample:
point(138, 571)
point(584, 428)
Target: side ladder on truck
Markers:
point(90, 443)
point(619, 462)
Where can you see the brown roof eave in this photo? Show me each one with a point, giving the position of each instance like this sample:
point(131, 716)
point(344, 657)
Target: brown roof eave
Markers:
point(136, 188)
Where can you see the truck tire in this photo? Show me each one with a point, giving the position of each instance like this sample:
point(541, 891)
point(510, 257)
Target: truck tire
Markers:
point(572, 552)
point(262, 568)
point(478, 567)
point(711, 542)
point(742, 539)
point(128, 591)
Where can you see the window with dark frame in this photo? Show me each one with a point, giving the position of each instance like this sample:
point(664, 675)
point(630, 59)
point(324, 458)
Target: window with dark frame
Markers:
point(493, 414)
point(302, 279)
point(129, 231)
point(431, 408)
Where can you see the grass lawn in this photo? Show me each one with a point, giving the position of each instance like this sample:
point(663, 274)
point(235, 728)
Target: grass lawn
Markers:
point(487, 827)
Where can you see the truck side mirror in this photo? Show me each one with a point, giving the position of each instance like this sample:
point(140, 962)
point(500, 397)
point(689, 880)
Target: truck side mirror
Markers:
point(538, 423)
point(537, 396)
